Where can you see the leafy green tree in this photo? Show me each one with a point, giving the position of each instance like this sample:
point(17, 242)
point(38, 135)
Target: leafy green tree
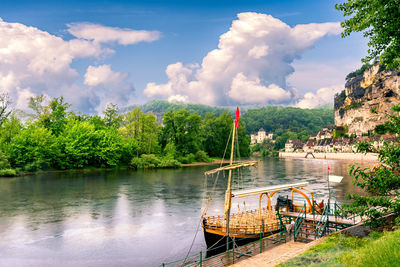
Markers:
point(112, 117)
point(4, 164)
point(36, 103)
point(53, 116)
point(107, 148)
point(144, 128)
point(380, 22)
point(381, 183)
point(77, 143)
point(216, 133)
point(8, 130)
point(5, 111)
point(34, 145)
point(183, 129)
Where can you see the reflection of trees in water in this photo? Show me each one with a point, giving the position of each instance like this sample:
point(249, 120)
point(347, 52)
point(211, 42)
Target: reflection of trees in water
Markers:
point(52, 197)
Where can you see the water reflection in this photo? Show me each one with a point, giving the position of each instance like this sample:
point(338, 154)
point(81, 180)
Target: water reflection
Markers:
point(118, 218)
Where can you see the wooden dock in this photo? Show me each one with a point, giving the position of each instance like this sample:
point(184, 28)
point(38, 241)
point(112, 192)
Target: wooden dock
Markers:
point(317, 218)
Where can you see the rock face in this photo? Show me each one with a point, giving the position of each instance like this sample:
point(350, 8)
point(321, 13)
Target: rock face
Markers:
point(367, 99)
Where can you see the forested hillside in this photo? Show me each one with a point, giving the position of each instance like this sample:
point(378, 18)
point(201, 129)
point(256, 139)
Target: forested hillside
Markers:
point(284, 122)
point(288, 122)
point(159, 107)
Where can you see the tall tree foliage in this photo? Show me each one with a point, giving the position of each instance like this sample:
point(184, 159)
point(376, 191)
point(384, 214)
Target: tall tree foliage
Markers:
point(382, 182)
point(143, 128)
point(183, 129)
point(379, 19)
point(5, 111)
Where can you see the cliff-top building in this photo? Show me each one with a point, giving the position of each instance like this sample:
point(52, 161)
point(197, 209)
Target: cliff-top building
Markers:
point(260, 136)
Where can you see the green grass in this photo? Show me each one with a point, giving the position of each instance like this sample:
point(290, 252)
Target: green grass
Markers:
point(339, 250)
point(384, 251)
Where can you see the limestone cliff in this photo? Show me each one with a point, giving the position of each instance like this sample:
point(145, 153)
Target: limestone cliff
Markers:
point(367, 99)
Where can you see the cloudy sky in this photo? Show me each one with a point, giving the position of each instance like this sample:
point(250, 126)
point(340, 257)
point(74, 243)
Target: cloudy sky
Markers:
point(209, 52)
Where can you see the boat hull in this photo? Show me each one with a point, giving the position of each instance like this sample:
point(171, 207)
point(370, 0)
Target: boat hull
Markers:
point(216, 243)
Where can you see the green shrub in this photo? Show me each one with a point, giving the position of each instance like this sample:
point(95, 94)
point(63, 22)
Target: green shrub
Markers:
point(201, 156)
point(149, 161)
point(189, 158)
point(358, 71)
point(169, 163)
point(4, 164)
point(146, 161)
point(8, 173)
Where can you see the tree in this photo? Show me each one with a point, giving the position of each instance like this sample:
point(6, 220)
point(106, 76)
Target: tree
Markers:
point(111, 116)
point(36, 103)
point(34, 145)
point(183, 129)
point(381, 183)
point(216, 132)
point(8, 130)
point(77, 143)
point(143, 128)
point(52, 116)
point(5, 102)
point(380, 22)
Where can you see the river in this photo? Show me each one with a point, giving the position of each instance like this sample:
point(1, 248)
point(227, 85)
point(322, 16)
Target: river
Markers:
point(130, 218)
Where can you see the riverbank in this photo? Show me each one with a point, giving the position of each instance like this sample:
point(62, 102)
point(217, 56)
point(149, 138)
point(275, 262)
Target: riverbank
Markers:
point(336, 156)
point(215, 162)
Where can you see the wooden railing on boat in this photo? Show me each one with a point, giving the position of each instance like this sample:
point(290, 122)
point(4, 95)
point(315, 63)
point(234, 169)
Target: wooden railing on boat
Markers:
point(249, 222)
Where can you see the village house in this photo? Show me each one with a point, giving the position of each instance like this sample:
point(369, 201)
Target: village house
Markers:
point(260, 136)
point(309, 146)
point(341, 145)
point(293, 145)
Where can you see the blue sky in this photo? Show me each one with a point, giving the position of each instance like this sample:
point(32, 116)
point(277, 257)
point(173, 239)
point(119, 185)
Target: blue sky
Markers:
point(183, 32)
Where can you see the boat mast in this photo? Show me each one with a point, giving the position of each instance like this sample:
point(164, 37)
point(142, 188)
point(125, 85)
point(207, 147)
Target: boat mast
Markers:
point(228, 193)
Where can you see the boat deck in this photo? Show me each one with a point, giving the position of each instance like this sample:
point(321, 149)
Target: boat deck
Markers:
point(317, 218)
point(246, 223)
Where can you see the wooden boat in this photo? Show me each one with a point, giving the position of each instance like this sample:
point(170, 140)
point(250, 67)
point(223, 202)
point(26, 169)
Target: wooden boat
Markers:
point(248, 225)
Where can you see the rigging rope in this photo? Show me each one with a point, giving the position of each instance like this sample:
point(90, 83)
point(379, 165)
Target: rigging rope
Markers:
point(208, 202)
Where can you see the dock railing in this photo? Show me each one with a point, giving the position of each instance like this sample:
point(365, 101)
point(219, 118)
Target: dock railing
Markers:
point(235, 254)
point(322, 223)
point(299, 221)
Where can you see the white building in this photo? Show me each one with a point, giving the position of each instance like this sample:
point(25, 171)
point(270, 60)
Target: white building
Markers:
point(260, 136)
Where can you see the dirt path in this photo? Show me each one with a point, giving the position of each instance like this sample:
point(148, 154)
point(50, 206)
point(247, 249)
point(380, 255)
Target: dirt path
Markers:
point(277, 254)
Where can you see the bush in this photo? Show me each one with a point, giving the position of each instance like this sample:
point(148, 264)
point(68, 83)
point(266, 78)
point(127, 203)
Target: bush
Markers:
point(189, 158)
point(265, 153)
point(4, 164)
point(201, 156)
point(8, 173)
point(146, 161)
point(169, 163)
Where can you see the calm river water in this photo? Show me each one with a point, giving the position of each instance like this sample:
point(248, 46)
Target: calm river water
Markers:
point(130, 218)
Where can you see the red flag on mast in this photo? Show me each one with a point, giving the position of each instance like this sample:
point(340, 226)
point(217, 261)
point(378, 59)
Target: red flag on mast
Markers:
point(329, 168)
point(237, 117)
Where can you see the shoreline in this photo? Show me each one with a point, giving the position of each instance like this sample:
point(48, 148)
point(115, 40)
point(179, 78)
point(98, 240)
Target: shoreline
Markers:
point(215, 162)
point(334, 156)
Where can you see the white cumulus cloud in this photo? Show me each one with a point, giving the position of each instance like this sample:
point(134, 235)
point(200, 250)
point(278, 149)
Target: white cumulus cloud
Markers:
point(109, 86)
point(34, 62)
point(323, 96)
point(250, 65)
point(102, 34)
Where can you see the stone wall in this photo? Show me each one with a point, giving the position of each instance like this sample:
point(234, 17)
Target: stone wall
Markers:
point(367, 99)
